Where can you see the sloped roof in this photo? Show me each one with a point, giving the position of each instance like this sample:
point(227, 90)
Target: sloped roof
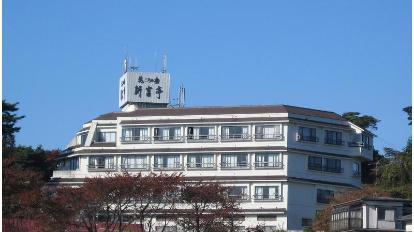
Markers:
point(222, 110)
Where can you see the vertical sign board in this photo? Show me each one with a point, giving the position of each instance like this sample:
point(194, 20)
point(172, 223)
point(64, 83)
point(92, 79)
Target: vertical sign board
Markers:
point(144, 87)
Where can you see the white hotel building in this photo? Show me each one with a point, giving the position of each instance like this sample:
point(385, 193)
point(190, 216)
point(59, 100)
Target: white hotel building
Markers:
point(284, 162)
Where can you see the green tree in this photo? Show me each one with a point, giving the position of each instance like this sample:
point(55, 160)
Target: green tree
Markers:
point(363, 121)
point(9, 127)
point(408, 111)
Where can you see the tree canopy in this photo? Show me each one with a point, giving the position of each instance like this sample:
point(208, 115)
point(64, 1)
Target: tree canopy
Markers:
point(9, 127)
point(363, 121)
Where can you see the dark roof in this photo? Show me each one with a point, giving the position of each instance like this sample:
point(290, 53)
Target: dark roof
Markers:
point(223, 110)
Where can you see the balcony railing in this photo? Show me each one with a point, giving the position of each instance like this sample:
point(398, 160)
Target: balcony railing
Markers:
point(201, 138)
point(325, 168)
point(268, 165)
point(225, 165)
point(333, 169)
point(101, 168)
point(175, 166)
point(166, 139)
point(334, 141)
point(135, 139)
point(308, 138)
point(236, 137)
point(134, 166)
point(277, 137)
point(242, 197)
point(264, 197)
point(201, 165)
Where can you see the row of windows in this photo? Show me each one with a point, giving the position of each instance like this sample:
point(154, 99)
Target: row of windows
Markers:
point(332, 165)
point(194, 134)
point(196, 161)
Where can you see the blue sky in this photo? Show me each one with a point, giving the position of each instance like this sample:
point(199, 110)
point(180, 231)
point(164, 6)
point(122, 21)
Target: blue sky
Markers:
point(62, 59)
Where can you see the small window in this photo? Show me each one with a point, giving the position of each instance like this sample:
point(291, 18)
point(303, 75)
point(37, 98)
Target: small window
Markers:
point(106, 137)
point(201, 133)
point(200, 161)
point(267, 193)
point(324, 196)
point(315, 163)
point(332, 165)
point(385, 214)
point(306, 222)
point(268, 132)
point(307, 134)
point(268, 160)
point(356, 169)
point(167, 161)
point(238, 192)
point(333, 137)
point(234, 160)
point(235, 133)
point(167, 134)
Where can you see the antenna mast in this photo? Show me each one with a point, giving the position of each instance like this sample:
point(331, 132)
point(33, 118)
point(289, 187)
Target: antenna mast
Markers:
point(181, 96)
point(164, 64)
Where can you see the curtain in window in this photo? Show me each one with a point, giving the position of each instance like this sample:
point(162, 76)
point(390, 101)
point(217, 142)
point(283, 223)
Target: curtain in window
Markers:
point(143, 134)
point(207, 161)
point(245, 132)
point(211, 133)
point(127, 134)
point(259, 192)
point(109, 162)
point(389, 215)
point(177, 133)
point(269, 132)
point(229, 160)
point(260, 160)
point(226, 132)
point(196, 133)
point(192, 161)
point(165, 134)
point(272, 192)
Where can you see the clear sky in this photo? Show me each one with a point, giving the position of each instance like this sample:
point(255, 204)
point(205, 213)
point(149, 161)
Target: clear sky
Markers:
point(62, 59)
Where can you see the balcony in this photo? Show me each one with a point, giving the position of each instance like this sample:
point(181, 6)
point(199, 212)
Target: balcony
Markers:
point(325, 168)
point(201, 138)
point(136, 139)
point(265, 197)
point(168, 167)
point(268, 165)
point(169, 139)
point(265, 137)
point(225, 165)
point(235, 137)
point(133, 167)
point(101, 168)
point(304, 138)
point(194, 166)
point(338, 142)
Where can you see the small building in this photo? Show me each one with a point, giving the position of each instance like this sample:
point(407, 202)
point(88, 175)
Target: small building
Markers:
point(376, 214)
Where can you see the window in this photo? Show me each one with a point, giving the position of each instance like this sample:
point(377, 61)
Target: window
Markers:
point(333, 137)
point(134, 162)
point(306, 222)
point(385, 214)
point(332, 165)
point(201, 133)
point(268, 132)
point(307, 134)
point(234, 160)
point(167, 134)
point(268, 160)
point(266, 217)
point(267, 193)
point(74, 163)
point(366, 141)
point(106, 137)
point(324, 196)
point(81, 139)
point(200, 161)
point(167, 161)
point(235, 133)
point(238, 192)
point(315, 163)
point(355, 169)
point(101, 162)
point(134, 134)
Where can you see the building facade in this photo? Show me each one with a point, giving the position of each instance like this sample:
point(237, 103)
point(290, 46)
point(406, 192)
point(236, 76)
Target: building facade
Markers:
point(283, 162)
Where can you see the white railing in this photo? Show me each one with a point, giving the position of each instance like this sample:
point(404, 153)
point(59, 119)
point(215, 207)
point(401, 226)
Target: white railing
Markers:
point(277, 137)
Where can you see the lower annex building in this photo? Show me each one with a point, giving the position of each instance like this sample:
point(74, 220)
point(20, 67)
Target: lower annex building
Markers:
point(283, 162)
